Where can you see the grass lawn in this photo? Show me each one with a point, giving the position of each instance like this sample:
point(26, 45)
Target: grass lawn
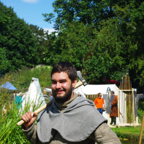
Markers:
point(128, 132)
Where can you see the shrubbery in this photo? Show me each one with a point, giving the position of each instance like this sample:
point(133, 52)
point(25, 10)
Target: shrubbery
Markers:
point(140, 110)
point(21, 80)
point(10, 133)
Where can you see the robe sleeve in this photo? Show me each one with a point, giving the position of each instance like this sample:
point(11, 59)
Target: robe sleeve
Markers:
point(31, 134)
point(104, 135)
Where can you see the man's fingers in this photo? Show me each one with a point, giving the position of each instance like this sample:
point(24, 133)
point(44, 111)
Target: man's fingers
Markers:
point(34, 114)
point(34, 117)
point(30, 114)
point(27, 117)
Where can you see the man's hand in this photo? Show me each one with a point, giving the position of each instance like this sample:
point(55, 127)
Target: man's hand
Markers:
point(28, 119)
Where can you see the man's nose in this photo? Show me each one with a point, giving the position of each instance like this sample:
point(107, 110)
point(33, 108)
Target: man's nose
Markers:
point(58, 85)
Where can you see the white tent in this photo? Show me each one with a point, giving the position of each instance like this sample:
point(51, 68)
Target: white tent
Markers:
point(95, 89)
point(34, 97)
point(91, 91)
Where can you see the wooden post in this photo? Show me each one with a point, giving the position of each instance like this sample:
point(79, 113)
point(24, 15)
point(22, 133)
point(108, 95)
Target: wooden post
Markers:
point(118, 104)
point(126, 82)
point(141, 130)
point(133, 105)
point(122, 84)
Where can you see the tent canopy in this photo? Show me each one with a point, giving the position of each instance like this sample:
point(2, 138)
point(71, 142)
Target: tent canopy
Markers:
point(8, 86)
point(95, 89)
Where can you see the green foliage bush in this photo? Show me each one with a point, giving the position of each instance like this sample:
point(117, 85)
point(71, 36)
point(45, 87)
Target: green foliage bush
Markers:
point(140, 110)
point(17, 43)
point(10, 133)
point(21, 80)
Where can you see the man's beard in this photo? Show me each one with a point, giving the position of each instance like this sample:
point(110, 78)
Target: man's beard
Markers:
point(66, 97)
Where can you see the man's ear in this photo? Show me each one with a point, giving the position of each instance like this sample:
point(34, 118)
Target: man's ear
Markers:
point(74, 83)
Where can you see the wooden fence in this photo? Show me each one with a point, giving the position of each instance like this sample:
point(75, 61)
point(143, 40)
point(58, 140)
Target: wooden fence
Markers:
point(91, 97)
point(126, 87)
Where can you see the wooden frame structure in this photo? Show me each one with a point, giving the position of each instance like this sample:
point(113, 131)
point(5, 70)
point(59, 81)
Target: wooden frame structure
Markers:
point(126, 102)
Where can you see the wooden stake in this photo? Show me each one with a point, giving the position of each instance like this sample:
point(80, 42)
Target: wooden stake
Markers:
point(126, 82)
point(122, 84)
point(141, 130)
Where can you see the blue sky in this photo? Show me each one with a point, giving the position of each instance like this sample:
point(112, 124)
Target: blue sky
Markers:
point(31, 11)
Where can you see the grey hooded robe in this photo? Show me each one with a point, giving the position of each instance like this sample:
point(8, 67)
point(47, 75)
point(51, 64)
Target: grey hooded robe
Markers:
point(74, 125)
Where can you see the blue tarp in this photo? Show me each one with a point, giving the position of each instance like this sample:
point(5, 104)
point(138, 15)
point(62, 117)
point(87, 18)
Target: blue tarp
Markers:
point(8, 86)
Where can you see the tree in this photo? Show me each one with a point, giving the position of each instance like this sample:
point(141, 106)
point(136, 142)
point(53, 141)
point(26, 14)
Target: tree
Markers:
point(44, 41)
point(125, 33)
point(82, 46)
point(4, 63)
point(89, 11)
point(117, 28)
point(17, 41)
point(133, 28)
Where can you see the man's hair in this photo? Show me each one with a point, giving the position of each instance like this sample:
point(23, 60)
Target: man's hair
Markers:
point(65, 67)
point(112, 92)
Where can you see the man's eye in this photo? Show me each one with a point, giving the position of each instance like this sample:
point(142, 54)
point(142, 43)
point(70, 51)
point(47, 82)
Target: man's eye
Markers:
point(53, 82)
point(63, 81)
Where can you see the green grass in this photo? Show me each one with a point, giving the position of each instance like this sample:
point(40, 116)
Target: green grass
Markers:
point(21, 79)
point(10, 133)
point(128, 132)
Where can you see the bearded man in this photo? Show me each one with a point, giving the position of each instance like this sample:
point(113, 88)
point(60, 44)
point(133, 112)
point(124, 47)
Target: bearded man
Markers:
point(70, 119)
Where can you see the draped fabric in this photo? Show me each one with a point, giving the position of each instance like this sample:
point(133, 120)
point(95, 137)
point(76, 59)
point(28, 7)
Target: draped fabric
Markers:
point(75, 124)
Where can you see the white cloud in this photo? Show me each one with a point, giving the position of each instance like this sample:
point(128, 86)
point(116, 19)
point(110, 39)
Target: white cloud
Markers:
point(30, 1)
point(50, 30)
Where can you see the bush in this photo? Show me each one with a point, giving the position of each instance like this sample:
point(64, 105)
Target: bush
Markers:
point(11, 133)
point(140, 110)
point(21, 79)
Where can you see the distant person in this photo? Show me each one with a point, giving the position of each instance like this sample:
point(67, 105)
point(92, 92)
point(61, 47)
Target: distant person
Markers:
point(50, 96)
point(99, 103)
point(114, 109)
point(18, 101)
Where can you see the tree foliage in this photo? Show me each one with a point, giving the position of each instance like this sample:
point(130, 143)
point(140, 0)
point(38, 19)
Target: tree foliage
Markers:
point(103, 39)
point(115, 30)
point(44, 41)
point(83, 46)
point(88, 11)
point(17, 43)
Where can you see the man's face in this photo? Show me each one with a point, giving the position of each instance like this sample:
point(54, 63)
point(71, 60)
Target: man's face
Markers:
point(62, 87)
point(99, 96)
